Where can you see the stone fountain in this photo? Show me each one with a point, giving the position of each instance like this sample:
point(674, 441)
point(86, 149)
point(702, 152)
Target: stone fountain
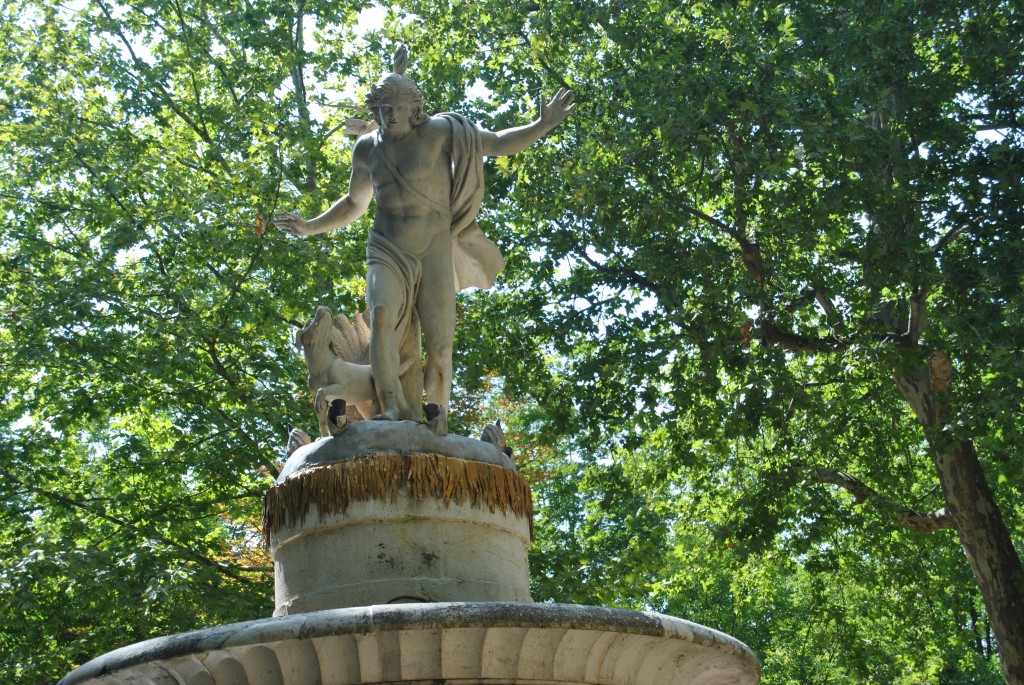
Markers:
point(408, 565)
point(400, 552)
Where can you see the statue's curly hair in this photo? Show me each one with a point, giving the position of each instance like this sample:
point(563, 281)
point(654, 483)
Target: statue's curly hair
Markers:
point(396, 85)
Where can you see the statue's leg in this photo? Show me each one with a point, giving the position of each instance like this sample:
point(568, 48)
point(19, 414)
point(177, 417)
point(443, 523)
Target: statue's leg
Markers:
point(384, 296)
point(436, 306)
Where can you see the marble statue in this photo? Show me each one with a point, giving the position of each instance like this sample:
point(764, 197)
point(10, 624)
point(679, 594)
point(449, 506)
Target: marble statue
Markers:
point(426, 174)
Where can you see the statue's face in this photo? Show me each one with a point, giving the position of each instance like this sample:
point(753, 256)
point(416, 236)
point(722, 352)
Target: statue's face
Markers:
point(395, 114)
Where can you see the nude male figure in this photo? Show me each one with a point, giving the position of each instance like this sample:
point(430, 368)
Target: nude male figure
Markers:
point(407, 165)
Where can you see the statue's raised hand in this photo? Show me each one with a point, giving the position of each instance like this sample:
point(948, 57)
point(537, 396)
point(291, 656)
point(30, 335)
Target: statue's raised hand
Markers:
point(557, 109)
point(292, 223)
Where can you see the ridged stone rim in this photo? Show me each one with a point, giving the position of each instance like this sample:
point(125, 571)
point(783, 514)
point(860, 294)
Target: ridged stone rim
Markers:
point(456, 642)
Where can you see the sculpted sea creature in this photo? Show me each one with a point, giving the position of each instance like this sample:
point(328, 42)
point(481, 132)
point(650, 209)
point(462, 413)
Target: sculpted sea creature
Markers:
point(296, 438)
point(495, 434)
point(337, 358)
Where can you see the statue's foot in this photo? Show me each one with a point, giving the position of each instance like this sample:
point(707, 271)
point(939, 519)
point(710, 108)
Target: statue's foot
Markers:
point(437, 419)
point(386, 416)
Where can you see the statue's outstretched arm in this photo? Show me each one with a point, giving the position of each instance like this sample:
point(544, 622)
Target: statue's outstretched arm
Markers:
point(513, 140)
point(346, 210)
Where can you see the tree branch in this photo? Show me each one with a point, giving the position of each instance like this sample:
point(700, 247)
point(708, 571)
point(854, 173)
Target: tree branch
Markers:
point(634, 277)
point(918, 316)
point(309, 162)
point(952, 234)
point(555, 75)
point(749, 251)
point(927, 522)
point(773, 336)
point(165, 95)
point(99, 179)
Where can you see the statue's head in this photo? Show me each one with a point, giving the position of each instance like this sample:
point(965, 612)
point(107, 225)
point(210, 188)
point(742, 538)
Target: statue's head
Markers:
point(397, 86)
point(394, 86)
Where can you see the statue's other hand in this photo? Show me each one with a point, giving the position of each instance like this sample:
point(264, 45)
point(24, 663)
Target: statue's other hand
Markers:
point(558, 108)
point(292, 223)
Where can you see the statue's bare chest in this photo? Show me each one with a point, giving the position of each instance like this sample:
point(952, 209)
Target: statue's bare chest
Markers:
point(416, 159)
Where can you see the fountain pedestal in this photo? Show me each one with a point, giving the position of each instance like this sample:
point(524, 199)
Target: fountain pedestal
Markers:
point(442, 520)
point(400, 557)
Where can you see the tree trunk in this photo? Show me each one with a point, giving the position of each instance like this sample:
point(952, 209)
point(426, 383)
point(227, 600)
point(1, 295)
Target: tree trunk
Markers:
point(969, 500)
point(990, 552)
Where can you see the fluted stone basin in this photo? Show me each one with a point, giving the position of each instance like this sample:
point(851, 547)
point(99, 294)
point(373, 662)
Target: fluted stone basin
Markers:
point(464, 643)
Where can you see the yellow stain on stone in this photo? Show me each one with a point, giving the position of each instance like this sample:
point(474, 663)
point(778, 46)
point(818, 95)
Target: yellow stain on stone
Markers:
point(332, 487)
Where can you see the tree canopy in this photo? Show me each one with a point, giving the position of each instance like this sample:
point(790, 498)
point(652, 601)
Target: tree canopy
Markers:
point(758, 343)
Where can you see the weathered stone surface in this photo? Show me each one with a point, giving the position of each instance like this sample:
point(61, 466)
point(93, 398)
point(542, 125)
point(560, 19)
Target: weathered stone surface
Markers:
point(406, 551)
point(387, 528)
point(464, 643)
point(391, 437)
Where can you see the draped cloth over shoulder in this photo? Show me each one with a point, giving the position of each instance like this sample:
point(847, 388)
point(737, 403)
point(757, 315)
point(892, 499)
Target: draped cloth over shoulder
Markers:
point(476, 259)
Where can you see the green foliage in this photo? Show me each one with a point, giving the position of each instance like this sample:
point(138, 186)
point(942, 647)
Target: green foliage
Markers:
point(627, 530)
point(149, 308)
point(715, 269)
